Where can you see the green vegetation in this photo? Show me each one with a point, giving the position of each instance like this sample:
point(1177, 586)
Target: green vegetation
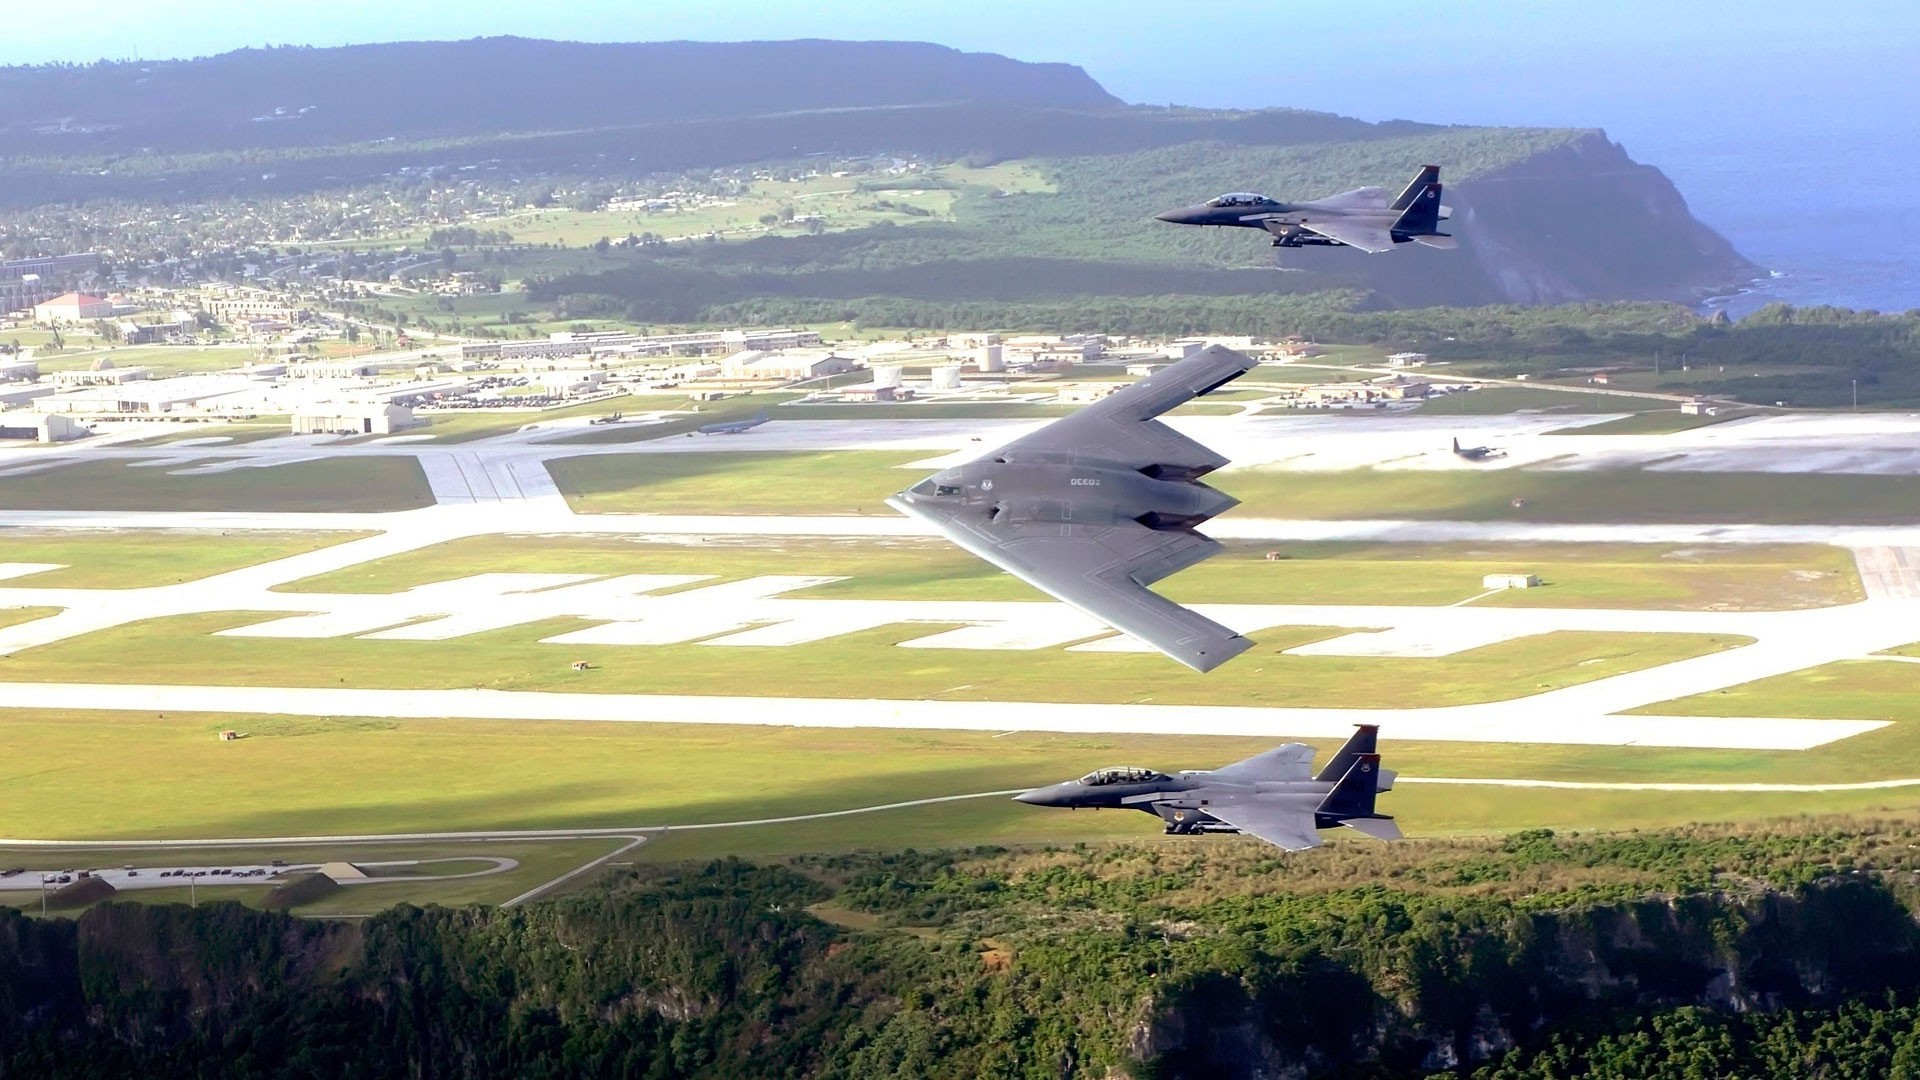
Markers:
point(357, 484)
point(1619, 496)
point(1661, 576)
point(940, 410)
point(862, 664)
point(734, 482)
point(163, 360)
point(1844, 690)
point(143, 558)
point(857, 482)
point(1783, 948)
point(13, 616)
point(467, 425)
point(1498, 400)
point(1653, 422)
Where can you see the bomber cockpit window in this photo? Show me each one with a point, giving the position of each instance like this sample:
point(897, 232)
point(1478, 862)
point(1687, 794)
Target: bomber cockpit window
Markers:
point(1240, 198)
point(924, 487)
point(945, 489)
point(1121, 774)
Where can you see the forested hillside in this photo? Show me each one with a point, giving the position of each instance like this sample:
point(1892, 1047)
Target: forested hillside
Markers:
point(1787, 950)
point(292, 97)
point(1542, 216)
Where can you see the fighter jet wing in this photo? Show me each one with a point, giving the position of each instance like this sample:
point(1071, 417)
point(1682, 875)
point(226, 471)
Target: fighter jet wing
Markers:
point(1357, 199)
point(1104, 570)
point(1289, 827)
point(1364, 235)
point(1121, 426)
point(1289, 761)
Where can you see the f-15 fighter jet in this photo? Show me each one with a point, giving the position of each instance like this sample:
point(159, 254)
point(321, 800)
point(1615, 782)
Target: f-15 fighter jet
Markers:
point(1275, 796)
point(1362, 218)
point(1098, 505)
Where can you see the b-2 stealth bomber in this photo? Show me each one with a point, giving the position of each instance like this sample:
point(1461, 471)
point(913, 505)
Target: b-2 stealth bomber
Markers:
point(1098, 505)
point(1274, 796)
point(1363, 218)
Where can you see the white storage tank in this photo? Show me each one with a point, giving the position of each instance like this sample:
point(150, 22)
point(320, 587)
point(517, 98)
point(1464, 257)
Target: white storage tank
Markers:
point(889, 375)
point(946, 377)
point(991, 358)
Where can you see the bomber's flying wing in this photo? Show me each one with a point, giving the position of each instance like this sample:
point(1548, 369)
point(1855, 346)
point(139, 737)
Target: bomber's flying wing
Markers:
point(1120, 428)
point(1104, 567)
point(1287, 762)
point(1104, 570)
point(1367, 235)
point(1289, 827)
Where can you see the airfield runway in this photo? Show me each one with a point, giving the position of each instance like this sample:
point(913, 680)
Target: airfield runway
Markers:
point(501, 486)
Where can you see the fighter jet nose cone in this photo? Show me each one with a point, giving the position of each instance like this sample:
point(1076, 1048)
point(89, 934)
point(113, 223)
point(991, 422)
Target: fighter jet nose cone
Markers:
point(1039, 796)
point(1174, 217)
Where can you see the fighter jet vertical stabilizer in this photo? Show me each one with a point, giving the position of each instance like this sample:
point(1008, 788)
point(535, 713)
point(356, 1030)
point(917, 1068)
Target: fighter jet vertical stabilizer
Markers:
point(1350, 803)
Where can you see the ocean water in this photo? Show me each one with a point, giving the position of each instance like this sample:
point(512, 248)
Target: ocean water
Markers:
point(1792, 129)
point(1829, 212)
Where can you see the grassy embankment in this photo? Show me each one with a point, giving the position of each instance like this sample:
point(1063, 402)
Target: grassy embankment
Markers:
point(856, 482)
point(1644, 576)
point(171, 778)
point(137, 559)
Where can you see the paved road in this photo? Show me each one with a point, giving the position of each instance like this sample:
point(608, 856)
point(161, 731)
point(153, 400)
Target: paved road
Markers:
point(1546, 719)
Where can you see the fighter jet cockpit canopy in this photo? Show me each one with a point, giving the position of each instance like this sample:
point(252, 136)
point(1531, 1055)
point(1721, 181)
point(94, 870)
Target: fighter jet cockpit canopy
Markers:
point(1240, 198)
point(1120, 774)
point(938, 491)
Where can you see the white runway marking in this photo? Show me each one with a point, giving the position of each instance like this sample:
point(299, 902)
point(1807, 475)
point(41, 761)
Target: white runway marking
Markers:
point(502, 486)
point(1578, 785)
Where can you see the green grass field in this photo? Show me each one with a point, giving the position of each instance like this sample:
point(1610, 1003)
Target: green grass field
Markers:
point(857, 482)
point(1653, 422)
point(929, 410)
point(1489, 401)
point(1847, 690)
point(862, 664)
point(142, 558)
point(688, 417)
point(1709, 577)
point(163, 360)
point(13, 616)
point(171, 778)
point(1617, 496)
point(364, 484)
point(468, 425)
point(734, 482)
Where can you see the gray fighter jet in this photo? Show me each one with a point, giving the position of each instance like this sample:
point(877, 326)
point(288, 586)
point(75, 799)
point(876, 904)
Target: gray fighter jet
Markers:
point(1363, 218)
point(1098, 505)
point(1275, 796)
